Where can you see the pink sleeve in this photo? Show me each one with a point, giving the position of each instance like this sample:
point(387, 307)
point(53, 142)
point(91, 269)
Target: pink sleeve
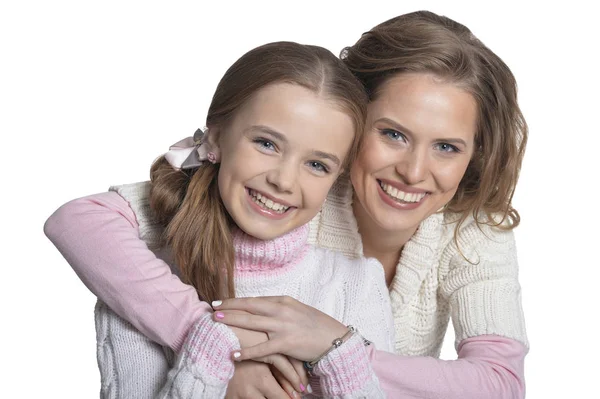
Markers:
point(488, 366)
point(98, 236)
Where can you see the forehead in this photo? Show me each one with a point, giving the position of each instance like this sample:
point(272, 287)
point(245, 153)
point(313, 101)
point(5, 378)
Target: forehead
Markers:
point(305, 118)
point(426, 105)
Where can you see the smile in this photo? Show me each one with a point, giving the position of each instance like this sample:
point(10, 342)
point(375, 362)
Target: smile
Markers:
point(267, 203)
point(402, 197)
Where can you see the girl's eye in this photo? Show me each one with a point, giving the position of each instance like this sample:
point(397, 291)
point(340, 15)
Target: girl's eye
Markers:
point(445, 147)
point(393, 134)
point(264, 144)
point(318, 166)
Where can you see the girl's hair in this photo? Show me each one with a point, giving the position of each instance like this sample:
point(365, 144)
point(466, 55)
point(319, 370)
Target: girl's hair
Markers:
point(188, 203)
point(424, 42)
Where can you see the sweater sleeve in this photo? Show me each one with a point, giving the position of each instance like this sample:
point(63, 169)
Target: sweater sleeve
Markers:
point(204, 366)
point(132, 366)
point(487, 367)
point(346, 372)
point(479, 281)
point(98, 236)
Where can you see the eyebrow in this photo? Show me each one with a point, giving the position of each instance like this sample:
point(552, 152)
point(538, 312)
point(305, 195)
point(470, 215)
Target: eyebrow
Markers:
point(403, 129)
point(281, 137)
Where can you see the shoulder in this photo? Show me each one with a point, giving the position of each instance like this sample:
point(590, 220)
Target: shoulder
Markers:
point(477, 238)
point(137, 196)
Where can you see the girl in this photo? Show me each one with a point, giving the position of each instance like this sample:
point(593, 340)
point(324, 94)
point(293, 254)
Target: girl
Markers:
point(429, 196)
point(284, 122)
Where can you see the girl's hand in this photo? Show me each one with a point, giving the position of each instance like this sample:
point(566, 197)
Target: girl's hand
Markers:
point(253, 380)
point(294, 329)
point(289, 373)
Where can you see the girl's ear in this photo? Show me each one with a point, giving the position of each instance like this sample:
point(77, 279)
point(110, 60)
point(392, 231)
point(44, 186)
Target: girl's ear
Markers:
point(212, 141)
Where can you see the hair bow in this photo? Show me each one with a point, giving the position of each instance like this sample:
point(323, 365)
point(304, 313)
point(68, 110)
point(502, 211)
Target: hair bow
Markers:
point(191, 152)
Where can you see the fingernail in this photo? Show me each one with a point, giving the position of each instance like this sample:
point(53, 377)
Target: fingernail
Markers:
point(216, 303)
point(308, 388)
point(302, 388)
point(220, 315)
point(294, 394)
point(236, 355)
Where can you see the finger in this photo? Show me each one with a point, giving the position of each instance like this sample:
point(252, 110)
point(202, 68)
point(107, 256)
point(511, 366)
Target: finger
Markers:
point(285, 384)
point(300, 370)
point(267, 348)
point(263, 305)
point(245, 320)
point(270, 388)
point(285, 367)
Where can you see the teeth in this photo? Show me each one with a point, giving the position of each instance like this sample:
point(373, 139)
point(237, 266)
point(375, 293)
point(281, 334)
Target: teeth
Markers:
point(401, 195)
point(267, 203)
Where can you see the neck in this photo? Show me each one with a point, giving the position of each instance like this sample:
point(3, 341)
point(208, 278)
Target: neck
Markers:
point(382, 244)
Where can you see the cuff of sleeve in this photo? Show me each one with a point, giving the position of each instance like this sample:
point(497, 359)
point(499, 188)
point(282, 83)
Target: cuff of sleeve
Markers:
point(207, 351)
point(346, 369)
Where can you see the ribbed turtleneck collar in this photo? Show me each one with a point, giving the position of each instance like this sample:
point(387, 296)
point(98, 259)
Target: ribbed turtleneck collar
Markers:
point(254, 255)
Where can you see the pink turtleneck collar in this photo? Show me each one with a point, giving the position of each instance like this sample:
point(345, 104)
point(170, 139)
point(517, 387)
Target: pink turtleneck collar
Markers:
point(254, 255)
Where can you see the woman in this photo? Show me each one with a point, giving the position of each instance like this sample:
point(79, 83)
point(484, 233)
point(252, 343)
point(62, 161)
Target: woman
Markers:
point(430, 198)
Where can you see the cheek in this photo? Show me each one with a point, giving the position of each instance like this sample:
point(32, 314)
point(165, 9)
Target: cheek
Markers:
point(449, 176)
point(368, 158)
point(316, 192)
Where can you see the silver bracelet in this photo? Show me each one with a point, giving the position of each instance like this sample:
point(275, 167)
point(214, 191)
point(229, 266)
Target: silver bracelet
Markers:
point(336, 343)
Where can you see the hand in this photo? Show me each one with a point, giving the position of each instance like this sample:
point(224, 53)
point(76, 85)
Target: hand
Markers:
point(288, 372)
point(294, 329)
point(253, 380)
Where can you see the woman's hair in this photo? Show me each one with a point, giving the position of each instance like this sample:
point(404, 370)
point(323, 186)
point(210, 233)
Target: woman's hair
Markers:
point(188, 203)
point(423, 42)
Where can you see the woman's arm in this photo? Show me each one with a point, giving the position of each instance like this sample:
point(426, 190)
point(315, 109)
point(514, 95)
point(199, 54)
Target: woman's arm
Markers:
point(98, 236)
point(487, 367)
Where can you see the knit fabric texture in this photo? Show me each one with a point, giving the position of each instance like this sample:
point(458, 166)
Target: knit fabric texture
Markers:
point(473, 280)
point(351, 290)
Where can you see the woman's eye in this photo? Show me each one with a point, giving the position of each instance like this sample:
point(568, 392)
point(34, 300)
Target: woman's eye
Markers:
point(318, 166)
point(445, 147)
point(393, 134)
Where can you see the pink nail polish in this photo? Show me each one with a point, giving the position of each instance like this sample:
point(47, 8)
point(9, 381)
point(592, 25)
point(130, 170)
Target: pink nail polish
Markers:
point(220, 315)
point(302, 388)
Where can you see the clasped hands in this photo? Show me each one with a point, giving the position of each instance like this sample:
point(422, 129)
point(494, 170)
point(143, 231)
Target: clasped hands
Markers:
point(278, 332)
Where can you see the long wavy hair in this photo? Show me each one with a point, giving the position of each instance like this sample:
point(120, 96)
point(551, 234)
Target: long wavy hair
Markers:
point(188, 203)
point(424, 42)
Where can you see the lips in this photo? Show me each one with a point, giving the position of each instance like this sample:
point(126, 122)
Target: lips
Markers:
point(268, 205)
point(401, 195)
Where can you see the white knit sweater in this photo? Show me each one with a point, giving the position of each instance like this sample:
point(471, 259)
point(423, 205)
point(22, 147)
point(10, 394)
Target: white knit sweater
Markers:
point(475, 283)
point(352, 291)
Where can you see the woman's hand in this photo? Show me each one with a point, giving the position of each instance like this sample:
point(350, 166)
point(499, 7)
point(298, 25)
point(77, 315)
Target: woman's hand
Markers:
point(294, 329)
point(286, 373)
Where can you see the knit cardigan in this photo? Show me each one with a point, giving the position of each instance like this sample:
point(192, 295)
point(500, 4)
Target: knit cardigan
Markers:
point(473, 279)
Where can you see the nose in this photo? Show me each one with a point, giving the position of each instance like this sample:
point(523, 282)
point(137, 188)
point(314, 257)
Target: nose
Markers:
point(283, 177)
point(413, 166)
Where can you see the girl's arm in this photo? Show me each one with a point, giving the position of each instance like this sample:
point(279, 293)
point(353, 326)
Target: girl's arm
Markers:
point(98, 236)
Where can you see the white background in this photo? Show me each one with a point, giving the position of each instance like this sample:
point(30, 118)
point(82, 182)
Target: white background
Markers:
point(92, 92)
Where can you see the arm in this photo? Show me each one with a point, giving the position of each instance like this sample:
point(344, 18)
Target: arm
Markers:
point(303, 332)
point(98, 236)
point(487, 367)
